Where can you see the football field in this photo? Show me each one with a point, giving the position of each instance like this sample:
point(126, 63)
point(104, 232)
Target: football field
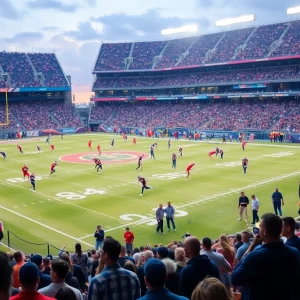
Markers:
point(68, 205)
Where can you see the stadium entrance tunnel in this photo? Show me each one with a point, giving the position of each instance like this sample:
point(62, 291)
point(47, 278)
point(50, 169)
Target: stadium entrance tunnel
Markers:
point(106, 157)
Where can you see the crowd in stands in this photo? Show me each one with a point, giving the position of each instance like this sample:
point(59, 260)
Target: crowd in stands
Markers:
point(212, 48)
point(112, 56)
point(47, 64)
point(244, 76)
point(66, 115)
point(221, 115)
point(291, 41)
point(241, 266)
point(144, 53)
point(173, 51)
point(17, 65)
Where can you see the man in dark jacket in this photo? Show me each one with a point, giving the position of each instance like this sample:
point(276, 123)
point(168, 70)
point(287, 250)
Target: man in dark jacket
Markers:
point(45, 280)
point(99, 235)
point(198, 267)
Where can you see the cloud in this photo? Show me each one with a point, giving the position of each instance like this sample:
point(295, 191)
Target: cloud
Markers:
point(8, 10)
point(204, 3)
point(50, 28)
point(148, 25)
point(52, 4)
point(84, 32)
point(24, 37)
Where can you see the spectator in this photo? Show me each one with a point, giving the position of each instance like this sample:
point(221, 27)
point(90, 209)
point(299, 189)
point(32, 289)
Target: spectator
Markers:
point(59, 271)
point(29, 280)
point(19, 258)
point(45, 280)
point(225, 247)
point(46, 265)
point(129, 238)
point(99, 235)
point(162, 252)
point(219, 260)
point(65, 293)
point(273, 271)
point(288, 231)
point(173, 279)
point(155, 277)
point(81, 259)
point(5, 277)
point(246, 244)
point(198, 267)
point(238, 241)
point(129, 265)
point(70, 279)
point(123, 257)
point(107, 283)
point(211, 289)
point(180, 259)
point(141, 270)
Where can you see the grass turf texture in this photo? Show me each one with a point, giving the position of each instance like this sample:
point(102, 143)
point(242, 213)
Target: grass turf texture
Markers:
point(207, 201)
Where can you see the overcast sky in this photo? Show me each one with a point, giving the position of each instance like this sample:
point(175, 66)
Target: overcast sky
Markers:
point(74, 29)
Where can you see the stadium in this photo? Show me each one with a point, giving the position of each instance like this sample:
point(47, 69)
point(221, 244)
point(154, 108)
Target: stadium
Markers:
point(191, 131)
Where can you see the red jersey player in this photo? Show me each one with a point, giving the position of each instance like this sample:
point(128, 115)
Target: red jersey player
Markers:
point(143, 181)
point(52, 147)
point(188, 170)
point(52, 169)
point(180, 152)
point(25, 172)
point(244, 145)
point(99, 149)
point(90, 144)
point(211, 153)
point(20, 148)
point(125, 137)
point(134, 141)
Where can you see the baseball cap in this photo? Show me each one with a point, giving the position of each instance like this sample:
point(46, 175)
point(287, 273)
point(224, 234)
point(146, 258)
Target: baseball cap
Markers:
point(29, 273)
point(163, 252)
point(36, 259)
point(155, 271)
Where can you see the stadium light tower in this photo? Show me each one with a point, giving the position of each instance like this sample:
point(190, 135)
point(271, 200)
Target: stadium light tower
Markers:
point(184, 29)
point(237, 20)
point(293, 10)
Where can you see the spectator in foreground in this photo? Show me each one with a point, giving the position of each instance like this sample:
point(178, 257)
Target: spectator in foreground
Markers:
point(107, 284)
point(173, 279)
point(70, 279)
point(198, 267)
point(46, 265)
point(29, 280)
point(288, 231)
point(5, 277)
point(19, 258)
point(273, 270)
point(141, 270)
point(180, 259)
point(238, 241)
point(155, 278)
point(65, 294)
point(59, 271)
point(211, 289)
point(129, 265)
point(81, 259)
point(123, 257)
point(246, 244)
point(45, 280)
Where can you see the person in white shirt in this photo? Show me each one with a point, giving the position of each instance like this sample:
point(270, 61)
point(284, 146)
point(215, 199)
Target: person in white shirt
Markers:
point(58, 273)
point(255, 207)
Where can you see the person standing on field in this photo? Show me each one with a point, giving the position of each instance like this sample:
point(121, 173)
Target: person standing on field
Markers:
point(242, 207)
point(255, 207)
point(99, 235)
point(170, 212)
point(160, 219)
point(129, 238)
point(277, 200)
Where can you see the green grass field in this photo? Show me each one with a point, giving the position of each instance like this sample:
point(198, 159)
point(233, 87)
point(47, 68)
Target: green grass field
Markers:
point(68, 205)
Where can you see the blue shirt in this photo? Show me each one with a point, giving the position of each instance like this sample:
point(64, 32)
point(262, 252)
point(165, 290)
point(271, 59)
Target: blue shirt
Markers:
point(159, 214)
point(99, 235)
point(241, 251)
point(270, 272)
point(277, 196)
point(293, 241)
point(170, 211)
point(115, 283)
point(161, 294)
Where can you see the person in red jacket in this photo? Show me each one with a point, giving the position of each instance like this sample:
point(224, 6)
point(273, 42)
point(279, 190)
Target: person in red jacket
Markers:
point(129, 238)
point(188, 170)
point(25, 172)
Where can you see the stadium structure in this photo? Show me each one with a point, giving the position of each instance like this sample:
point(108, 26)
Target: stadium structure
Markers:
point(246, 79)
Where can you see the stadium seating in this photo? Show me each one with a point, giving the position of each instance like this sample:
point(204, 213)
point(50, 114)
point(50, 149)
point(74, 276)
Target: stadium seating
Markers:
point(144, 53)
point(112, 56)
point(47, 64)
point(19, 68)
point(259, 44)
point(257, 75)
point(221, 115)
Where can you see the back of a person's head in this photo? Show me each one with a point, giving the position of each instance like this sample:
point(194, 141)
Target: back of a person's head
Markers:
point(179, 254)
point(155, 273)
point(170, 265)
point(289, 221)
point(238, 237)
point(78, 248)
point(65, 293)
point(211, 289)
point(123, 250)
point(129, 265)
point(272, 225)
point(46, 261)
point(206, 242)
point(112, 248)
point(18, 256)
point(29, 276)
point(246, 236)
point(5, 275)
point(60, 268)
point(93, 251)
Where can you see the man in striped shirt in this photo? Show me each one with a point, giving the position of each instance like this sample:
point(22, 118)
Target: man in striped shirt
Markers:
point(113, 282)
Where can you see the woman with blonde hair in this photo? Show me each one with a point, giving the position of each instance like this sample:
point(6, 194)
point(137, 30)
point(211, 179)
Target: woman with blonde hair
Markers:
point(225, 247)
point(180, 259)
point(211, 289)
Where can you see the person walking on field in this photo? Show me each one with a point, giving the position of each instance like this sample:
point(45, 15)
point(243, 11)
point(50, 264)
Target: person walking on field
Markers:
point(242, 207)
point(277, 200)
point(255, 207)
